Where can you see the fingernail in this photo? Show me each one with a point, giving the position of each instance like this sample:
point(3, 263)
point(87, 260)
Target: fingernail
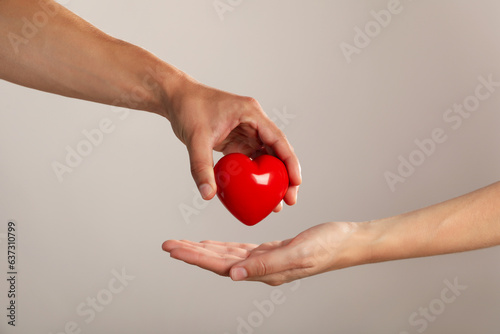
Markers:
point(238, 274)
point(205, 190)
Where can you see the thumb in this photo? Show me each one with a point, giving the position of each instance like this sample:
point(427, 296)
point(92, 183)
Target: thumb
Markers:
point(202, 167)
point(265, 264)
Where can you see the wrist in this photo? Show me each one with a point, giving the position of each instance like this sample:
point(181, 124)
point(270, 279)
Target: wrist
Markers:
point(351, 244)
point(389, 239)
point(376, 241)
point(171, 83)
point(138, 79)
point(364, 244)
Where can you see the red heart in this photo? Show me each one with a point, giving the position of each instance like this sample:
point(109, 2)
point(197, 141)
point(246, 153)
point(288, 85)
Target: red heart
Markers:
point(250, 189)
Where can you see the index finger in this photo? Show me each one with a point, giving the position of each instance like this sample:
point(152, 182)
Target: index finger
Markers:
point(273, 137)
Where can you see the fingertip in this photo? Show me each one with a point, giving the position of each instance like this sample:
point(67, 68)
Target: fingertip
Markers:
point(299, 181)
point(278, 207)
point(202, 166)
point(294, 172)
point(238, 273)
point(166, 245)
point(291, 195)
point(207, 191)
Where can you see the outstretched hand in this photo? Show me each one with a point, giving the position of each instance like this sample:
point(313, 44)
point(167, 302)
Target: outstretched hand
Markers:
point(319, 249)
point(207, 119)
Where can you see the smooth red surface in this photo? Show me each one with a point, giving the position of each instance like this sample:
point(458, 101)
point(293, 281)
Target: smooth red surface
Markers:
point(250, 189)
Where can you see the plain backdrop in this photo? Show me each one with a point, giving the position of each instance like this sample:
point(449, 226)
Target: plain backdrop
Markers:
point(349, 123)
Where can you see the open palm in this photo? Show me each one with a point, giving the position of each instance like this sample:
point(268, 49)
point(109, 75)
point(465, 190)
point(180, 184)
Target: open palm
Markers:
point(313, 251)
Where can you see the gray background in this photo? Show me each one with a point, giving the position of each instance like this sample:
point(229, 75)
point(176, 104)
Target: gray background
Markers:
point(351, 122)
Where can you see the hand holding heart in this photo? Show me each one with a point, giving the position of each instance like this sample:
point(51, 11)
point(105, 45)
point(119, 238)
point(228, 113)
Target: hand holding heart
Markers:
point(207, 119)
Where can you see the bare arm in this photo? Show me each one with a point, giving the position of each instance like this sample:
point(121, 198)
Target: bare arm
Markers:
point(468, 222)
point(66, 55)
point(70, 57)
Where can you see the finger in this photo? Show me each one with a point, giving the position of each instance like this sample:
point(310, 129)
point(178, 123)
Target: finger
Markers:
point(251, 247)
point(169, 245)
point(221, 250)
point(267, 246)
point(245, 246)
point(202, 166)
point(278, 207)
point(267, 263)
point(272, 136)
point(205, 259)
point(291, 195)
point(225, 250)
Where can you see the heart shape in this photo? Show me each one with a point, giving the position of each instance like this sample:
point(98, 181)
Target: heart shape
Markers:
point(250, 189)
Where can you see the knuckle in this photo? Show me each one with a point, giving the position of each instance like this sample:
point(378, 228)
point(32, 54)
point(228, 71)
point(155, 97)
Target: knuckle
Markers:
point(250, 105)
point(278, 134)
point(251, 101)
point(281, 135)
point(261, 268)
point(197, 168)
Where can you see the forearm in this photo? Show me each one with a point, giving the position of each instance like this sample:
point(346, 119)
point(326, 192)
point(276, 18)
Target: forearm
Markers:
point(70, 57)
point(468, 222)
